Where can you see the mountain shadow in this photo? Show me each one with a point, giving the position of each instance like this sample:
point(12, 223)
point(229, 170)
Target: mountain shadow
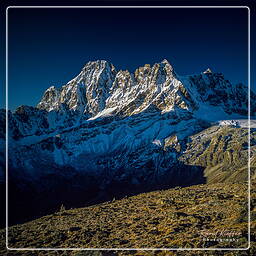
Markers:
point(27, 201)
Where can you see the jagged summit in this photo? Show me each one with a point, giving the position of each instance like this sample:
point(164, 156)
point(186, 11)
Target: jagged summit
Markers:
point(99, 64)
point(99, 88)
point(165, 61)
point(208, 70)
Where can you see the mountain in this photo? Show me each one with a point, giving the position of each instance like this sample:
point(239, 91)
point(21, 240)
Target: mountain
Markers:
point(100, 91)
point(110, 133)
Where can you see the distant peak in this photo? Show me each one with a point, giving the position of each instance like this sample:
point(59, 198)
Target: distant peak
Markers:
point(165, 61)
point(207, 71)
point(166, 65)
point(52, 88)
point(98, 63)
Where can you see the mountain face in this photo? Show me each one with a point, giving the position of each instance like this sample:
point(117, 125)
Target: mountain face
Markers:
point(99, 90)
point(109, 131)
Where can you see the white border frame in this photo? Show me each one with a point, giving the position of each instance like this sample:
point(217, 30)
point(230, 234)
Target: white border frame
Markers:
point(127, 249)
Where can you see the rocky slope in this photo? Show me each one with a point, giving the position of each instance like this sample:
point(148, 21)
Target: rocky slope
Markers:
point(110, 133)
point(180, 217)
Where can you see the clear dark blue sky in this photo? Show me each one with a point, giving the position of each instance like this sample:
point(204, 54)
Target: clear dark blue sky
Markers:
point(50, 46)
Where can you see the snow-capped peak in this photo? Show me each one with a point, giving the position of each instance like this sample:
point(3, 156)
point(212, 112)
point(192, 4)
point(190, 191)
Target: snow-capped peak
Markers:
point(165, 61)
point(100, 87)
point(207, 71)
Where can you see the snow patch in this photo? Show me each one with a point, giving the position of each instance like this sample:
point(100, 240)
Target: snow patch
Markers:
point(242, 123)
point(105, 113)
point(157, 142)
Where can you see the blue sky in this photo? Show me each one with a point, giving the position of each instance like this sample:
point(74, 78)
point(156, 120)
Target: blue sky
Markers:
point(50, 46)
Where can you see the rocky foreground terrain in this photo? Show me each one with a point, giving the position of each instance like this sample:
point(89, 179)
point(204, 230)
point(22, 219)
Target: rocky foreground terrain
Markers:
point(180, 217)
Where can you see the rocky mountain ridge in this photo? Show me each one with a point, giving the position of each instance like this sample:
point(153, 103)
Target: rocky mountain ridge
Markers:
point(100, 87)
point(99, 91)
